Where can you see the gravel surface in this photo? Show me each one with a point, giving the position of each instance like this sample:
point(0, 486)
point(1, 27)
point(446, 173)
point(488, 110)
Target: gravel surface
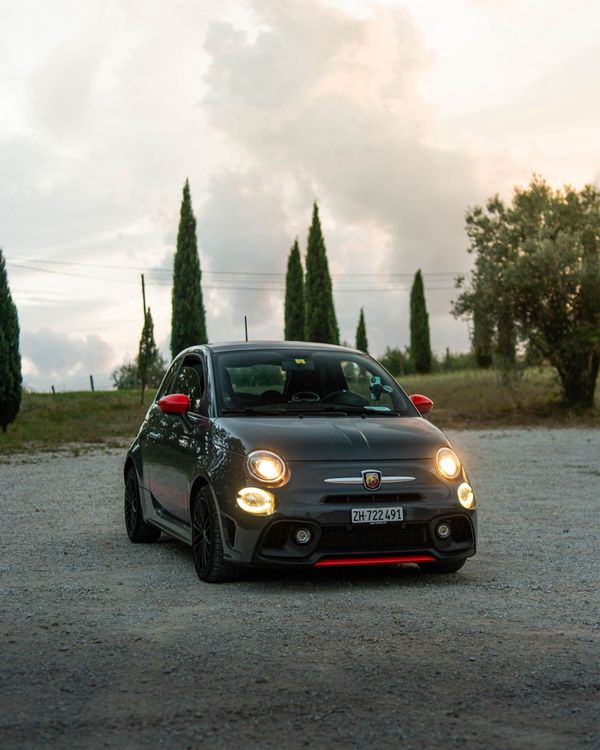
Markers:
point(107, 644)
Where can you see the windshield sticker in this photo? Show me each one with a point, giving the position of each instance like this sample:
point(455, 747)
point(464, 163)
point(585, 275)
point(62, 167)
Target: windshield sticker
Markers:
point(298, 363)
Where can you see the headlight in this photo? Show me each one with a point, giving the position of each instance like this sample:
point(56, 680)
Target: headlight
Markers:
point(256, 501)
point(268, 467)
point(466, 496)
point(448, 463)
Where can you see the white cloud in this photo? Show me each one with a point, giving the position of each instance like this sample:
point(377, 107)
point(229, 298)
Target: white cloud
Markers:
point(395, 116)
point(50, 358)
point(325, 105)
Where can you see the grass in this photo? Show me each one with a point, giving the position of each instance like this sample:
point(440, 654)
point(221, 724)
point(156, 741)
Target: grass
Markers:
point(75, 419)
point(463, 399)
point(479, 398)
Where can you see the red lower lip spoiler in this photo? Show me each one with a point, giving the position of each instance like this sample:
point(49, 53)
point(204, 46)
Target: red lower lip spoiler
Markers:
point(394, 560)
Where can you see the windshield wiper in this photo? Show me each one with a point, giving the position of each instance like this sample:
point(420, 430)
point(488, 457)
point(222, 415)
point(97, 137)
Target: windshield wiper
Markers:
point(251, 410)
point(302, 409)
point(283, 412)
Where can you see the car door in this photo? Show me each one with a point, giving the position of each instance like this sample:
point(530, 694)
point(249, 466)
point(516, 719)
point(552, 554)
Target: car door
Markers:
point(177, 440)
point(152, 432)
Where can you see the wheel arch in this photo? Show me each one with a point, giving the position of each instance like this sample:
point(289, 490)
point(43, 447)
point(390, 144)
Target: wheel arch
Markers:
point(203, 481)
point(129, 463)
point(134, 459)
point(199, 481)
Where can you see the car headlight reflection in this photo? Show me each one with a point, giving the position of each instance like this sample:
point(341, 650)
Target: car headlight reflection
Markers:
point(448, 463)
point(268, 467)
point(255, 500)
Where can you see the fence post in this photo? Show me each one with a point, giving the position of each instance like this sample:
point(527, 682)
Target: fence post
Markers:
point(92, 382)
point(53, 390)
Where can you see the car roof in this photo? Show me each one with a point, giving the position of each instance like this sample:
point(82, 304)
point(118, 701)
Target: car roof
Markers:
point(237, 346)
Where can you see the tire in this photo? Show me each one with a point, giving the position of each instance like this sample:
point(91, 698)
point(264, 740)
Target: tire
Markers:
point(449, 566)
point(207, 544)
point(138, 531)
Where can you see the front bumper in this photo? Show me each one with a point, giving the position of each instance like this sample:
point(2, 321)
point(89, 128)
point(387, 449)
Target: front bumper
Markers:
point(335, 541)
point(326, 512)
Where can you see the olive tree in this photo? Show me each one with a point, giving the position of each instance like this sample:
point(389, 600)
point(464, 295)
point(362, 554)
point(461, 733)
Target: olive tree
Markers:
point(537, 274)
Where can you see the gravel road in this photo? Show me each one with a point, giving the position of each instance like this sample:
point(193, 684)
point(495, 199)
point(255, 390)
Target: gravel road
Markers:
point(107, 644)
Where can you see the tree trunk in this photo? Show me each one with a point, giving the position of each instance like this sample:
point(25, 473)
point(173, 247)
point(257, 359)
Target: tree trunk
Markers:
point(578, 379)
point(506, 340)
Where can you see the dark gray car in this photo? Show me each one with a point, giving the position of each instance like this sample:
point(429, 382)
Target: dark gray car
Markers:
point(293, 454)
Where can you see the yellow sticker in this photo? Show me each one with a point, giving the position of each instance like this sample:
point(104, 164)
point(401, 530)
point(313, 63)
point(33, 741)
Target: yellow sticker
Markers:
point(300, 361)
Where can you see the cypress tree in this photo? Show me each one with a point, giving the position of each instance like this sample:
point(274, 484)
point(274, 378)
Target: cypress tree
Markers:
point(188, 324)
point(361, 334)
point(294, 297)
point(147, 353)
point(10, 358)
point(420, 347)
point(321, 321)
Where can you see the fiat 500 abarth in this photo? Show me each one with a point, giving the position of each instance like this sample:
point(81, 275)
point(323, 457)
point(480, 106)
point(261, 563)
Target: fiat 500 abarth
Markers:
point(295, 455)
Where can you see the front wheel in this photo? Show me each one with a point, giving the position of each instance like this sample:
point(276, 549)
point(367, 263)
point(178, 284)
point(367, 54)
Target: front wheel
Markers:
point(443, 566)
point(207, 545)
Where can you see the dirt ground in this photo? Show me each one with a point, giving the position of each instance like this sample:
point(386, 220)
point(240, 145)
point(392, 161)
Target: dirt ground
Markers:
point(107, 644)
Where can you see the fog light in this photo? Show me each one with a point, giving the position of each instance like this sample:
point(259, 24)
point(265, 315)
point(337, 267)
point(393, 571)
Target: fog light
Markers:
point(443, 530)
point(466, 496)
point(256, 501)
point(303, 536)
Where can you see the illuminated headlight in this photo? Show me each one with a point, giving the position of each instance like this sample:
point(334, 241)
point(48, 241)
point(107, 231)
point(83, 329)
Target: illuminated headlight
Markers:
point(268, 467)
point(448, 463)
point(466, 496)
point(256, 501)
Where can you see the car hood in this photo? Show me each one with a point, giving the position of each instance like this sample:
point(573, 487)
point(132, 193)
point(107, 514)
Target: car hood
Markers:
point(332, 439)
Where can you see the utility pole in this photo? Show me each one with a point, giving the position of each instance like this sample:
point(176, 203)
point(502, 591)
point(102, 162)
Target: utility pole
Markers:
point(144, 296)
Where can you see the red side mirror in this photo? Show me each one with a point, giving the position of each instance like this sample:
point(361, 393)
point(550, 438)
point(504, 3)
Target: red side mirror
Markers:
point(174, 403)
point(424, 405)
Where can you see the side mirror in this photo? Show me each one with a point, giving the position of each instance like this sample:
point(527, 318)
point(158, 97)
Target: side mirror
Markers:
point(174, 403)
point(424, 405)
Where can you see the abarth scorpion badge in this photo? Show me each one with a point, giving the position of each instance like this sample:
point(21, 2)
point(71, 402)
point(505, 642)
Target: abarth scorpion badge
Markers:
point(371, 479)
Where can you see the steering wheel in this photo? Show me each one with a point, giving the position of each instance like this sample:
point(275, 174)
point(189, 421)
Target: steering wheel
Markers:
point(332, 394)
point(345, 397)
point(305, 396)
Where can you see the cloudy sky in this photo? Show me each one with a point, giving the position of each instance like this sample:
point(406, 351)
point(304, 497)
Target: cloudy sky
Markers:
point(394, 115)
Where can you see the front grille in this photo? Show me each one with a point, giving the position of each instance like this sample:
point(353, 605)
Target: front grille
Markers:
point(461, 529)
point(277, 535)
point(385, 537)
point(372, 497)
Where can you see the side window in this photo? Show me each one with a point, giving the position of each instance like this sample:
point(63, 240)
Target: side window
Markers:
point(167, 380)
point(190, 380)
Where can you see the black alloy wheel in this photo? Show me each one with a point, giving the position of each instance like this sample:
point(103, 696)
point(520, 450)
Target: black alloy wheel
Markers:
point(207, 545)
point(138, 530)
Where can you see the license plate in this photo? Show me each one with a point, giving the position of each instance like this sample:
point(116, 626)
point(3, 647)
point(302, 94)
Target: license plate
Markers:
point(377, 515)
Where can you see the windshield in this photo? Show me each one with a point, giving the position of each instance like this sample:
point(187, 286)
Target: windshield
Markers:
point(317, 382)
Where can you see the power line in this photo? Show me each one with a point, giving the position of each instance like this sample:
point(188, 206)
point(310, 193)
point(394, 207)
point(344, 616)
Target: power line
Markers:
point(110, 266)
point(64, 273)
point(268, 285)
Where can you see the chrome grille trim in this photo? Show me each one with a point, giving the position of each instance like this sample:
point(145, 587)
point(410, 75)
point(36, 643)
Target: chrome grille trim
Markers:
point(359, 480)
